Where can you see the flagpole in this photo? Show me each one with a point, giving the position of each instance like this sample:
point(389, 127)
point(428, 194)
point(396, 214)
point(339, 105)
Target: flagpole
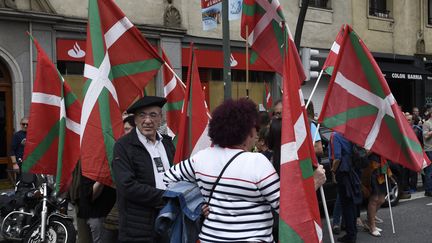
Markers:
point(226, 51)
point(323, 198)
point(389, 203)
point(175, 74)
point(314, 89)
point(247, 61)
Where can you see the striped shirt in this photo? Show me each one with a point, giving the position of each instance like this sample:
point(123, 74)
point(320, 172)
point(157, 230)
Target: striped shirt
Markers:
point(240, 208)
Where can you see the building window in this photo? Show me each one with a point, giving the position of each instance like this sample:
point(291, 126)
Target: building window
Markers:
point(380, 8)
point(429, 12)
point(320, 4)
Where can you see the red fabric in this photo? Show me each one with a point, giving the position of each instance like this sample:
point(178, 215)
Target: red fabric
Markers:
point(269, 44)
point(129, 48)
point(175, 96)
point(194, 117)
point(268, 97)
point(298, 201)
point(331, 58)
point(44, 117)
point(356, 129)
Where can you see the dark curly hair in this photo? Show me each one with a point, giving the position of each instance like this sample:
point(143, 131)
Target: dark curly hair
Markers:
point(232, 122)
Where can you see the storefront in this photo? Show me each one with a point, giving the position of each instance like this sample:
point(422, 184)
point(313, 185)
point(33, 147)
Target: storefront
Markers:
point(408, 83)
point(210, 65)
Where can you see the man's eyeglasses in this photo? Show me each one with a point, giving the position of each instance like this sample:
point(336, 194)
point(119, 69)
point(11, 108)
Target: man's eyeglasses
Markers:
point(151, 115)
point(24, 124)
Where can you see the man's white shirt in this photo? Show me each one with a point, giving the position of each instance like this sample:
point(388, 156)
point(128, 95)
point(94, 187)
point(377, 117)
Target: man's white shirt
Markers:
point(155, 150)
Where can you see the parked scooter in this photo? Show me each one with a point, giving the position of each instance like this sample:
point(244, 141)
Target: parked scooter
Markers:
point(34, 213)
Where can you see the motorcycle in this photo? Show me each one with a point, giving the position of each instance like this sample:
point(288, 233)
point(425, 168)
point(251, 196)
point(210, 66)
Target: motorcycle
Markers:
point(35, 213)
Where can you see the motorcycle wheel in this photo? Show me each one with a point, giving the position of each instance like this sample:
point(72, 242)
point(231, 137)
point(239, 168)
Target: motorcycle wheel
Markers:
point(58, 230)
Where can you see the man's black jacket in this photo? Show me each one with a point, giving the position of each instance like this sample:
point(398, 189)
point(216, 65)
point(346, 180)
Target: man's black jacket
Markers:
point(137, 197)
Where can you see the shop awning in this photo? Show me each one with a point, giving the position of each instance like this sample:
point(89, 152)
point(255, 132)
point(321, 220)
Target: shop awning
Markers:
point(214, 59)
point(404, 71)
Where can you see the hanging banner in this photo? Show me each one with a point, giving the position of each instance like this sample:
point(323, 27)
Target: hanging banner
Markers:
point(211, 11)
point(235, 9)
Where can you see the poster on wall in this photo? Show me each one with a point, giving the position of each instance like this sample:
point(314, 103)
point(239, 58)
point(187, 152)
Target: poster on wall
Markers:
point(235, 9)
point(211, 11)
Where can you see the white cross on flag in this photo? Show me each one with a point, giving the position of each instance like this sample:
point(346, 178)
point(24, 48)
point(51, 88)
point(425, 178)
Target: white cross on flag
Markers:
point(52, 145)
point(119, 64)
point(267, 32)
point(360, 105)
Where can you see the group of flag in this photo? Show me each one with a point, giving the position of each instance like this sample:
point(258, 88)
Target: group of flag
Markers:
point(61, 127)
point(358, 104)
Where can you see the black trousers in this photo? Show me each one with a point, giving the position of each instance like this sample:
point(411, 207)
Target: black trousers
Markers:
point(349, 209)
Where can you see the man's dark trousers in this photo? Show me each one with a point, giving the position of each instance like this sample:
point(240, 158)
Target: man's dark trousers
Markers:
point(348, 207)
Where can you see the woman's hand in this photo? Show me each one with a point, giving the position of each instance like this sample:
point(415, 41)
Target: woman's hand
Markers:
point(205, 210)
point(319, 176)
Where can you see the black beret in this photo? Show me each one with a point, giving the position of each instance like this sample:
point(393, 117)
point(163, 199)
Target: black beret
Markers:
point(146, 101)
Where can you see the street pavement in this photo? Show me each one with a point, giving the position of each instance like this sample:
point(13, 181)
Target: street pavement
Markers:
point(412, 222)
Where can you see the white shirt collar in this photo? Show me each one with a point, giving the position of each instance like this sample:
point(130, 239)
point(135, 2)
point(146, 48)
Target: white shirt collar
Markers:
point(144, 140)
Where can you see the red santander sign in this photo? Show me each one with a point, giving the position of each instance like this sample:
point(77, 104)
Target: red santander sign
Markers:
point(71, 50)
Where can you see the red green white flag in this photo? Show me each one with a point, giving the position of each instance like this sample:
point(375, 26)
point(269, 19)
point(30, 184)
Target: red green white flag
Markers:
point(52, 145)
point(360, 105)
point(330, 62)
point(299, 219)
point(174, 90)
point(193, 127)
point(266, 33)
point(268, 98)
point(119, 64)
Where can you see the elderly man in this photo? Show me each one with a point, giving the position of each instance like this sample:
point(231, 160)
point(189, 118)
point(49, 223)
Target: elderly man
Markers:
point(140, 160)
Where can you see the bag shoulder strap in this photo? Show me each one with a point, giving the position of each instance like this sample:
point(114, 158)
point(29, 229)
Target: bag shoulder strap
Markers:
point(220, 175)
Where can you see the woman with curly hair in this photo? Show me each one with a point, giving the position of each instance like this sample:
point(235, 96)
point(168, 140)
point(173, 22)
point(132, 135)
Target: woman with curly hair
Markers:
point(240, 207)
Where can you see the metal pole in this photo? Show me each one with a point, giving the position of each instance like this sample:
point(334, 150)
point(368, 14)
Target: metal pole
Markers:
point(313, 90)
point(300, 22)
point(389, 203)
point(323, 198)
point(226, 50)
point(175, 74)
point(247, 61)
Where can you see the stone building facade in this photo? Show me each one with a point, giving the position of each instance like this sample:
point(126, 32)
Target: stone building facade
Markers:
point(398, 32)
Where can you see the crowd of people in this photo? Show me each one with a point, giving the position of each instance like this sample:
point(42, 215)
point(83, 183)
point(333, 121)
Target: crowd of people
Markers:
point(356, 184)
point(237, 177)
point(239, 204)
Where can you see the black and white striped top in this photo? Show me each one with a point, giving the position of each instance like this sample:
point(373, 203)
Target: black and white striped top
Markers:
point(240, 209)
